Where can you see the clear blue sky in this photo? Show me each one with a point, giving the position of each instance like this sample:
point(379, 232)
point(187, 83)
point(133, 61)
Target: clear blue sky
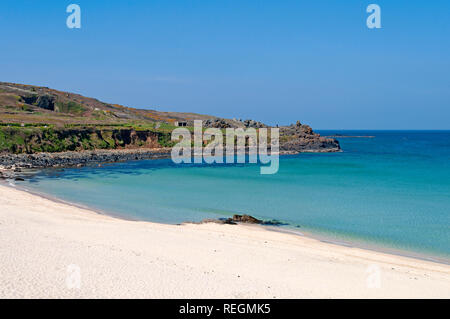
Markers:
point(274, 61)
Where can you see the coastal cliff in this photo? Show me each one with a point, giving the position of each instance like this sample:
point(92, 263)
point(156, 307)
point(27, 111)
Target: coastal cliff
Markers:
point(35, 120)
point(30, 140)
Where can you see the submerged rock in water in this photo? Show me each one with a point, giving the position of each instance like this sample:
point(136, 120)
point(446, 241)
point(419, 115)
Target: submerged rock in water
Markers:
point(274, 222)
point(218, 221)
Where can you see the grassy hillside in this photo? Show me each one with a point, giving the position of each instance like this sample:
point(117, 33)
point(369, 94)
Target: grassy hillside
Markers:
point(21, 103)
point(38, 119)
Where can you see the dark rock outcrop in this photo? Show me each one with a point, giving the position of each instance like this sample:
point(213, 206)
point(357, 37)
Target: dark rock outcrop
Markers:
point(253, 124)
point(227, 123)
point(78, 159)
point(246, 219)
point(46, 102)
point(301, 138)
point(217, 123)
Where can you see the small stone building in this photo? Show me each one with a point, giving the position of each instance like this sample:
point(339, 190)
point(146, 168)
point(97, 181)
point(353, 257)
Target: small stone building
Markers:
point(180, 123)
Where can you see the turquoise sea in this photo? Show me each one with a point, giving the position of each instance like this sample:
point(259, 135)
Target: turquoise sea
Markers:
point(390, 191)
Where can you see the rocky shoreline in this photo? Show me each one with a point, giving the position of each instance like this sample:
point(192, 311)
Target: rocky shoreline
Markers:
point(13, 162)
point(78, 159)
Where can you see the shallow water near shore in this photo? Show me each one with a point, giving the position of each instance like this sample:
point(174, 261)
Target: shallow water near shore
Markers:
point(392, 190)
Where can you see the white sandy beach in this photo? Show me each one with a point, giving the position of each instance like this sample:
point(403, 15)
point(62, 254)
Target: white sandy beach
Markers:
point(43, 244)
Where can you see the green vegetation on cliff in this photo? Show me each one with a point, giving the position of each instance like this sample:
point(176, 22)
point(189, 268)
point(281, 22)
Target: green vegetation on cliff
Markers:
point(34, 139)
point(69, 107)
point(39, 119)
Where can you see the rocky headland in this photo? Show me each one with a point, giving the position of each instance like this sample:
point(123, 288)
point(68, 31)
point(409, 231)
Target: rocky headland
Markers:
point(42, 127)
point(299, 137)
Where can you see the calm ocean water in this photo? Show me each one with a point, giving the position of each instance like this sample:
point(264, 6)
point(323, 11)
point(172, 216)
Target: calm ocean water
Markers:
point(392, 190)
